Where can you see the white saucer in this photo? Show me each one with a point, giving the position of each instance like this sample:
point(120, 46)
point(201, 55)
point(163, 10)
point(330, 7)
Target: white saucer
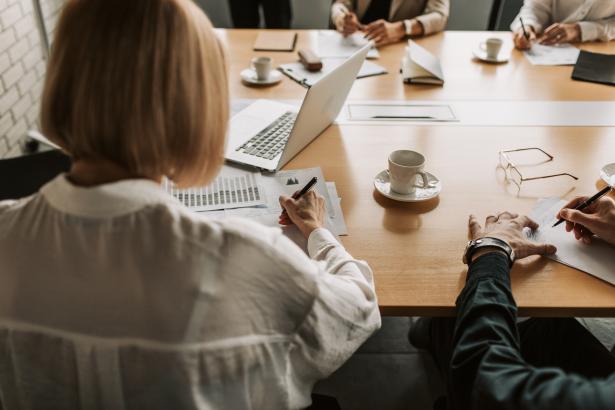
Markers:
point(383, 185)
point(482, 56)
point(249, 76)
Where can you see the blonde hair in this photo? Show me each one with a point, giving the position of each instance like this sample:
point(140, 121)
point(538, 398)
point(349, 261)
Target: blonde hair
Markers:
point(140, 83)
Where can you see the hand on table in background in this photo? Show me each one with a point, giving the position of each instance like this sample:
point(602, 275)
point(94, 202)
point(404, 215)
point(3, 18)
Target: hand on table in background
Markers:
point(383, 32)
point(560, 33)
point(520, 41)
point(307, 212)
point(597, 219)
point(508, 227)
point(348, 24)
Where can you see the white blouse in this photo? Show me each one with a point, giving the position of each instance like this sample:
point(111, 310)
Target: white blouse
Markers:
point(596, 18)
point(118, 297)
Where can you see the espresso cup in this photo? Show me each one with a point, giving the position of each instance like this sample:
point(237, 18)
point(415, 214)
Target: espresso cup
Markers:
point(262, 66)
point(492, 47)
point(405, 167)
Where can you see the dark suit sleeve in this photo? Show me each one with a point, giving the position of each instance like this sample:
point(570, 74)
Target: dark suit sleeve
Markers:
point(487, 370)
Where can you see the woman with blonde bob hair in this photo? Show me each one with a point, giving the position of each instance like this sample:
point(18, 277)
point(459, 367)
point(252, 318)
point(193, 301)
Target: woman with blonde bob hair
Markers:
point(116, 296)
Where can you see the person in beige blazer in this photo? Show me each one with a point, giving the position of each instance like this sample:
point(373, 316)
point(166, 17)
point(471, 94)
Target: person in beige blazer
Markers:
point(389, 21)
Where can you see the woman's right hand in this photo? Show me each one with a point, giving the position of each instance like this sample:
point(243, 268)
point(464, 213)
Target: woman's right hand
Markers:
point(348, 23)
point(520, 41)
point(307, 212)
point(597, 219)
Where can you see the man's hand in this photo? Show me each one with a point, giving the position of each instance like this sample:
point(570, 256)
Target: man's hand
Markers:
point(509, 228)
point(307, 212)
point(520, 41)
point(348, 24)
point(560, 33)
point(382, 32)
point(597, 219)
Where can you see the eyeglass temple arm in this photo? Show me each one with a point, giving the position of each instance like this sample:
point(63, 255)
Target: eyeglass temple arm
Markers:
point(528, 149)
point(564, 174)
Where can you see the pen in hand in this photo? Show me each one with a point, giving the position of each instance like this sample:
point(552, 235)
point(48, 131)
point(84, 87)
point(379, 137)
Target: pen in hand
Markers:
point(304, 191)
point(587, 203)
point(525, 34)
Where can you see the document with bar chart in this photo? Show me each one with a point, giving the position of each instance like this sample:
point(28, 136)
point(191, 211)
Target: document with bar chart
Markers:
point(233, 188)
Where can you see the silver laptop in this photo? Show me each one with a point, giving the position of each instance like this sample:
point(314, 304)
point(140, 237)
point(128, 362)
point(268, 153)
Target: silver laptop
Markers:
point(268, 134)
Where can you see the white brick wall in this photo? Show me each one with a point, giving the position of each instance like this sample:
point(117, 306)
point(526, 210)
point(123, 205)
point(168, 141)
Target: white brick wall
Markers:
point(22, 69)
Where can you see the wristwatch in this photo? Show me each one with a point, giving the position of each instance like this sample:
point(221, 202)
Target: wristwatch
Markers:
point(488, 242)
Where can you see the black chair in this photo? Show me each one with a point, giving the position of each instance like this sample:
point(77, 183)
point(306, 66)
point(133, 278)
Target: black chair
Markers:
point(23, 176)
point(503, 15)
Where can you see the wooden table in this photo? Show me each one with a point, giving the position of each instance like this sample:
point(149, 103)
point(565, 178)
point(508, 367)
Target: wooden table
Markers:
point(415, 249)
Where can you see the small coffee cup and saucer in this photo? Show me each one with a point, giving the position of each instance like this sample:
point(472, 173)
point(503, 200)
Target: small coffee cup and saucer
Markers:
point(261, 73)
point(490, 51)
point(401, 181)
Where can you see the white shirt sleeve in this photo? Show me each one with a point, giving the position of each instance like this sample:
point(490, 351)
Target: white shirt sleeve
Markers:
point(343, 315)
point(603, 30)
point(435, 16)
point(535, 13)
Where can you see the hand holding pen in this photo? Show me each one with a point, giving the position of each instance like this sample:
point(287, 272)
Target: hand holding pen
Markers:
point(348, 23)
point(524, 38)
point(587, 218)
point(305, 209)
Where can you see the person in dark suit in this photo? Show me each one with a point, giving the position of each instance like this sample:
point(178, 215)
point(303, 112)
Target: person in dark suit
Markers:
point(246, 13)
point(487, 358)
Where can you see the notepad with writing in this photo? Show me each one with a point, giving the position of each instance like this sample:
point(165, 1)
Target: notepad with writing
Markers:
point(275, 40)
point(595, 68)
point(419, 66)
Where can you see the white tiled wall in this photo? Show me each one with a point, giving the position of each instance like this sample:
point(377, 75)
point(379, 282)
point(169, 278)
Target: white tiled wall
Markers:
point(22, 68)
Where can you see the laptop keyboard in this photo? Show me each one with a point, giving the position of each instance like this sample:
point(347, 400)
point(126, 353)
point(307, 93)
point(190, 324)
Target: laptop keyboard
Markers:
point(271, 141)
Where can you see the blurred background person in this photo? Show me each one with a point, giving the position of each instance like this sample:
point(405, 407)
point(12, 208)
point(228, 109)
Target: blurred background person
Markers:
point(390, 21)
point(553, 22)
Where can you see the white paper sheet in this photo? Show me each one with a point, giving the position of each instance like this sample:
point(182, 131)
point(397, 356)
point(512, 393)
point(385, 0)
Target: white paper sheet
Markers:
point(563, 54)
point(232, 188)
point(333, 44)
point(500, 113)
point(297, 71)
point(597, 258)
point(396, 112)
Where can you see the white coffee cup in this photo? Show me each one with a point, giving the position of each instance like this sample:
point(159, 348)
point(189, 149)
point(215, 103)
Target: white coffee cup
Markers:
point(405, 167)
point(492, 47)
point(262, 66)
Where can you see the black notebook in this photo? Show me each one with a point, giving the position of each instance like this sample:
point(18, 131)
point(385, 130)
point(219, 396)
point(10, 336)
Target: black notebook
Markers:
point(595, 68)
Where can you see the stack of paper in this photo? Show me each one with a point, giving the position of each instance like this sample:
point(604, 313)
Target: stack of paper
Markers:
point(300, 74)
point(286, 183)
point(232, 188)
point(597, 258)
point(333, 44)
point(563, 54)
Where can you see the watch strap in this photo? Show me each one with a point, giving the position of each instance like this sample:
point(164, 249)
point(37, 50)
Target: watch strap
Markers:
point(488, 242)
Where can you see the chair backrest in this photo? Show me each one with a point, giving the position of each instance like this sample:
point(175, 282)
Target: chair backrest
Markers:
point(218, 12)
point(470, 14)
point(23, 176)
point(311, 14)
point(508, 11)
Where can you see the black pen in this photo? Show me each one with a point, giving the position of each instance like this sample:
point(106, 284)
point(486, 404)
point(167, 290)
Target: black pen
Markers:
point(306, 188)
point(527, 36)
point(587, 202)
